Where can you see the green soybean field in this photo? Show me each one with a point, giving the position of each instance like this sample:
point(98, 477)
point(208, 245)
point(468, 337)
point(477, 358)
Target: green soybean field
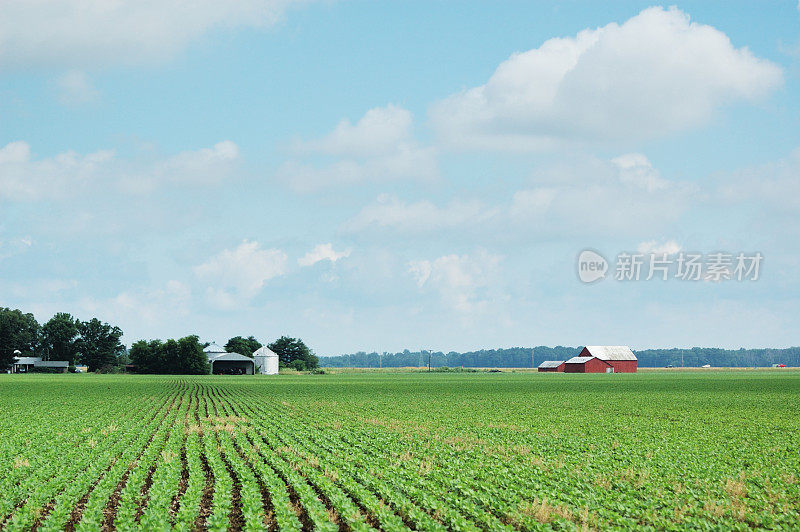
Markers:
point(395, 451)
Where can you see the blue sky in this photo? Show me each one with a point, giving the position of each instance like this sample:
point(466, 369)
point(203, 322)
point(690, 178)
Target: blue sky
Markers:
point(389, 175)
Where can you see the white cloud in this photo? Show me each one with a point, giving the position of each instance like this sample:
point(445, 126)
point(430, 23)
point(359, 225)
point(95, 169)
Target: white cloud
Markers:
point(586, 197)
point(460, 280)
point(422, 216)
point(87, 33)
point(322, 252)
point(670, 247)
point(235, 276)
point(143, 307)
point(652, 75)
point(76, 88)
point(774, 186)
point(26, 178)
point(636, 169)
point(532, 202)
point(378, 132)
point(22, 178)
point(379, 147)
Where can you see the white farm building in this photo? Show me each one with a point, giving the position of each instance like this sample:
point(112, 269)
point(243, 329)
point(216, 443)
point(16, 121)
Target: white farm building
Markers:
point(264, 361)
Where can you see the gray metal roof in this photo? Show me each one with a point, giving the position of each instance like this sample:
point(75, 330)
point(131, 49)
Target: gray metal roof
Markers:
point(231, 357)
point(551, 363)
point(610, 352)
point(579, 360)
point(214, 348)
point(52, 364)
point(27, 361)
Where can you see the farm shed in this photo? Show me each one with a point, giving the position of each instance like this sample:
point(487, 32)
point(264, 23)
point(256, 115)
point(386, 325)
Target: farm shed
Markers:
point(266, 361)
point(552, 366)
point(28, 364)
point(587, 365)
point(224, 363)
point(232, 364)
point(603, 359)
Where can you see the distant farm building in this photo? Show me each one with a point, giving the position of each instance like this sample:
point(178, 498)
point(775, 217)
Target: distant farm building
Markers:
point(603, 359)
point(224, 363)
point(552, 365)
point(266, 361)
point(33, 364)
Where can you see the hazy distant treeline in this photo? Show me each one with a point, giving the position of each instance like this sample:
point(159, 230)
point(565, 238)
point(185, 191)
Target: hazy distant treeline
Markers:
point(525, 357)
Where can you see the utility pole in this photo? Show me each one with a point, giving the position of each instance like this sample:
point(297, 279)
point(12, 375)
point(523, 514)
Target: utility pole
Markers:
point(429, 359)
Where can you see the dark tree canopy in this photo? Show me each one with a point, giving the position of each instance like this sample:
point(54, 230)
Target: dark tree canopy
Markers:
point(99, 344)
point(173, 357)
point(60, 338)
point(243, 346)
point(18, 332)
point(524, 357)
point(292, 352)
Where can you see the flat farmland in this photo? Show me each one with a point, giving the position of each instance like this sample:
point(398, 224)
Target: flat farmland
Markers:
point(393, 451)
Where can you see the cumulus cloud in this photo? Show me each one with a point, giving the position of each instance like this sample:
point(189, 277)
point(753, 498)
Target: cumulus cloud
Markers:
point(378, 132)
point(322, 252)
point(636, 169)
point(87, 33)
point(143, 306)
point(774, 186)
point(379, 147)
point(235, 276)
point(460, 280)
point(654, 74)
point(590, 197)
point(24, 177)
point(388, 211)
point(76, 88)
point(670, 247)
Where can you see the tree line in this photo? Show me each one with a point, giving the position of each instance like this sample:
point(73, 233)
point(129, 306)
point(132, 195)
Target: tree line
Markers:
point(526, 357)
point(186, 355)
point(93, 343)
point(98, 345)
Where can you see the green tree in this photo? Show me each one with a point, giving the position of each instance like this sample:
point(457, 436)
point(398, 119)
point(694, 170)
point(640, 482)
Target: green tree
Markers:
point(193, 359)
point(173, 357)
point(146, 356)
point(99, 344)
point(18, 332)
point(243, 346)
point(60, 338)
point(292, 352)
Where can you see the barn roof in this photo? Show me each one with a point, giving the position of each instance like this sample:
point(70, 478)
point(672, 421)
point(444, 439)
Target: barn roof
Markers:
point(579, 360)
point(27, 361)
point(52, 364)
point(551, 363)
point(611, 352)
point(214, 348)
point(231, 357)
point(264, 352)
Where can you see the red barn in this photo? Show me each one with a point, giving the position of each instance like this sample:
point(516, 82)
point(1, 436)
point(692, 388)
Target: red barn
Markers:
point(552, 365)
point(603, 359)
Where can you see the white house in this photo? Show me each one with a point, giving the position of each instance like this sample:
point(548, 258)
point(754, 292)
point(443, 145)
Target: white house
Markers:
point(266, 361)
